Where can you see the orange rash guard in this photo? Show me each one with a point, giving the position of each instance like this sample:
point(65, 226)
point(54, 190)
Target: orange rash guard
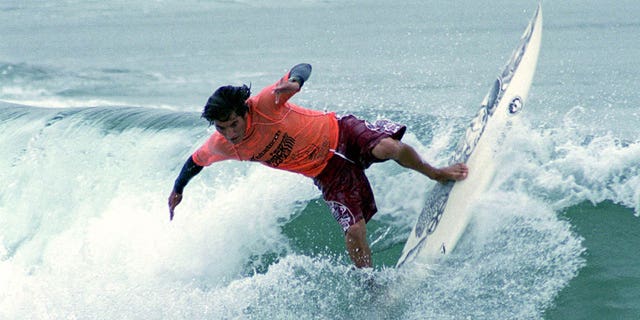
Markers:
point(282, 136)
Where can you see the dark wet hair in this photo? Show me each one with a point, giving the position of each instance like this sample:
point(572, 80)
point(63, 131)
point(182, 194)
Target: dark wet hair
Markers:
point(226, 100)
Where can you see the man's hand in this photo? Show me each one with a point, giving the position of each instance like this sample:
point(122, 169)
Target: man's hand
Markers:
point(174, 200)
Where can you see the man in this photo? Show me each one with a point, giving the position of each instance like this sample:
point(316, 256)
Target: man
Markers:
point(333, 151)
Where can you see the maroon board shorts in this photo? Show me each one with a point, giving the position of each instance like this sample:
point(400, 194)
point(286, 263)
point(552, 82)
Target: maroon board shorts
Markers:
point(344, 186)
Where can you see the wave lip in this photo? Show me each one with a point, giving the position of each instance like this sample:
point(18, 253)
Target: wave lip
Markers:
point(109, 119)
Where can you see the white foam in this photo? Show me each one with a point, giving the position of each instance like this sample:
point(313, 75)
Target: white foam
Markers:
point(87, 225)
point(570, 166)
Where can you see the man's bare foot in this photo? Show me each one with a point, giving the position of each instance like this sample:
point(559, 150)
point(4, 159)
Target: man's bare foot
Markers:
point(456, 172)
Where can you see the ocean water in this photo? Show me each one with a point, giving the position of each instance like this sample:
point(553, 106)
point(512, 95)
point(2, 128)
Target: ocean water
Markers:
point(99, 108)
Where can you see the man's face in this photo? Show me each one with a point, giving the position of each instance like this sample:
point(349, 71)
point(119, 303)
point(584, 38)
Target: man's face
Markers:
point(233, 129)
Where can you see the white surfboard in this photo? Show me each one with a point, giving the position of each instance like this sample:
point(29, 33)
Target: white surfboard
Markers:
point(447, 210)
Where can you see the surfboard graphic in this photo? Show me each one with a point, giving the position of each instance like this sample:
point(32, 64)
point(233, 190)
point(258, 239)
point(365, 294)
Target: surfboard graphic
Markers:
point(446, 213)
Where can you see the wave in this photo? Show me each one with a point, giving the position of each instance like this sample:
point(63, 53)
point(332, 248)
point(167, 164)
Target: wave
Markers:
point(84, 224)
point(22, 72)
point(566, 166)
point(109, 119)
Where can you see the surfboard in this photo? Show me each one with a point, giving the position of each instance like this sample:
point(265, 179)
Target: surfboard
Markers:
point(447, 210)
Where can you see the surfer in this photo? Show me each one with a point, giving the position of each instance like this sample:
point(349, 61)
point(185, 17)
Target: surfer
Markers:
point(333, 151)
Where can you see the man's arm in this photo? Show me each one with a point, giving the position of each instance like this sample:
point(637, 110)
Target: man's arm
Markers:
point(189, 170)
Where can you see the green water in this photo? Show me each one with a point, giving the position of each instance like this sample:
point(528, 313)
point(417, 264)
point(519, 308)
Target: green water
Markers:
point(314, 232)
point(608, 287)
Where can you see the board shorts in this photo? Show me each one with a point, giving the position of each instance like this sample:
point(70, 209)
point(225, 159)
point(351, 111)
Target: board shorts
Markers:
point(344, 186)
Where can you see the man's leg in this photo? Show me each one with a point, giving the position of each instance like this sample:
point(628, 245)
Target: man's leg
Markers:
point(357, 245)
point(406, 156)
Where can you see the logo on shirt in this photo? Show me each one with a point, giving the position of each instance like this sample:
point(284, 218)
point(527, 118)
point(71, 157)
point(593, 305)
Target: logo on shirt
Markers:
point(281, 151)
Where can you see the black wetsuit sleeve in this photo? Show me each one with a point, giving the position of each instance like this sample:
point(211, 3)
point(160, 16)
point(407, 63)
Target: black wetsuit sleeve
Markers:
point(300, 73)
point(189, 170)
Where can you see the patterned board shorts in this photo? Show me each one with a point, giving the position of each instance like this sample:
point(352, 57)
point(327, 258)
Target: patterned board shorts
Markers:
point(344, 186)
